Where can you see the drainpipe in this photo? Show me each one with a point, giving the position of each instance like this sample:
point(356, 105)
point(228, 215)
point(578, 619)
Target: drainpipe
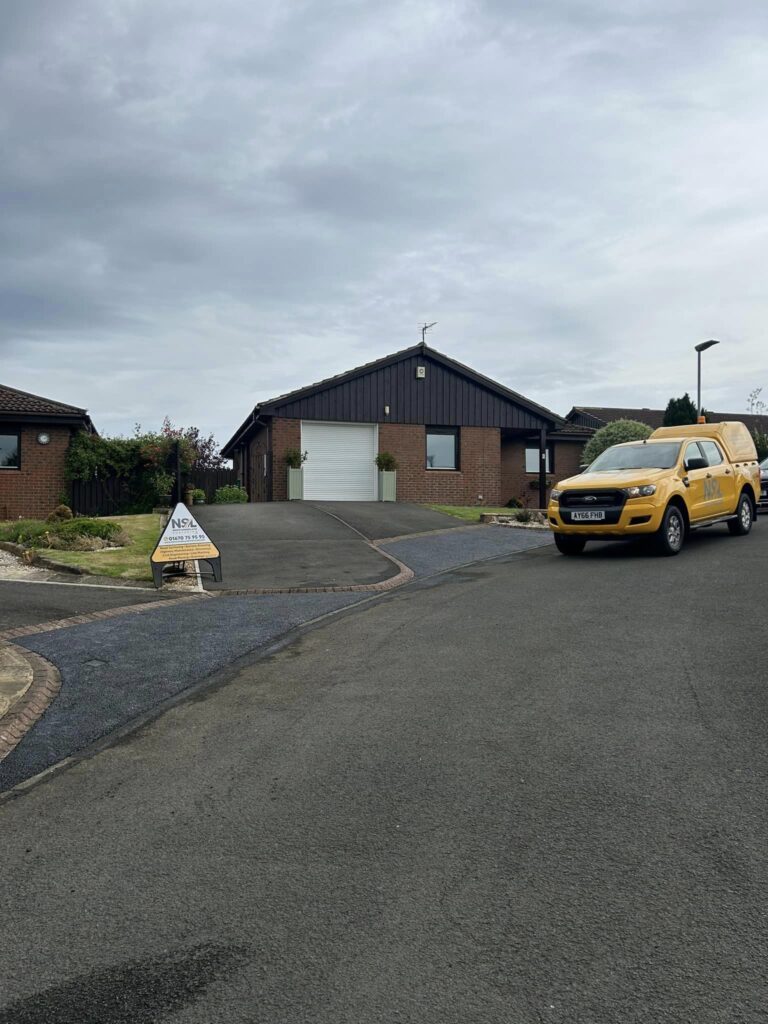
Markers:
point(543, 467)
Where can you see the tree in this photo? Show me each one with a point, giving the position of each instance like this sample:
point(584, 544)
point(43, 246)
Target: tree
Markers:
point(203, 452)
point(754, 403)
point(680, 411)
point(757, 407)
point(614, 433)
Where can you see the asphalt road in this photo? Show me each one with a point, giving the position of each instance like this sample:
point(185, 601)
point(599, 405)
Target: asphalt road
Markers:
point(28, 604)
point(533, 790)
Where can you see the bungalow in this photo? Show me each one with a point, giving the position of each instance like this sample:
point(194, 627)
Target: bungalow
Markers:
point(34, 436)
point(459, 438)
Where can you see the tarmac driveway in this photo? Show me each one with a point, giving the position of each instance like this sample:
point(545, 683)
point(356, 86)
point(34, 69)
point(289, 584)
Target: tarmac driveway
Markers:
point(288, 544)
point(377, 520)
point(297, 544)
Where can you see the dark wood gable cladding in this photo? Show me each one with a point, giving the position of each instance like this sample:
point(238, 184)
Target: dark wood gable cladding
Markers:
point(445, 397)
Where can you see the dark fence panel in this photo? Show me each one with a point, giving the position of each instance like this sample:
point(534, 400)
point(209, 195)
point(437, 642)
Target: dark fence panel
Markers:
point(209, 479)
point(117, 495)
point(106, 496)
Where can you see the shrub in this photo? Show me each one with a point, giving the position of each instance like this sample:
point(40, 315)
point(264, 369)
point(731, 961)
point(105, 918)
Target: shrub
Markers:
point(198, 495)
point(69, 535)
point(761, 444)
point(80, 542)
point(22, 531)
point(295, 458)
point(614, 433)
point(230, 495)
point(514, 503)
point(59, 514)
point(386, 462)
point(524, 515)
point(103, 528)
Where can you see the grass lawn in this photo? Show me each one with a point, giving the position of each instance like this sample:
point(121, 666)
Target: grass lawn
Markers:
point(131, 562)
point(469, 513)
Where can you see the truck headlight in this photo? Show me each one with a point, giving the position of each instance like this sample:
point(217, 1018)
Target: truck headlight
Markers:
point(640, 492)
point(554, 494)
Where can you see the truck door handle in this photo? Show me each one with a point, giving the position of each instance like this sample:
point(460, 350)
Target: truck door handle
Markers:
point(728, 472)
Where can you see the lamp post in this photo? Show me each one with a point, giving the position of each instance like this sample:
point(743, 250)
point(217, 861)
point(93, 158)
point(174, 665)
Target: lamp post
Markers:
point(702, 347)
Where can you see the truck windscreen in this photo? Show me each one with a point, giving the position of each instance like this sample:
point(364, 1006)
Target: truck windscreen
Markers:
point(661, 455)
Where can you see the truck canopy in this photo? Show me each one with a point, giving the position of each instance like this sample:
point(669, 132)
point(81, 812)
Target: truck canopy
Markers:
point(732, 435)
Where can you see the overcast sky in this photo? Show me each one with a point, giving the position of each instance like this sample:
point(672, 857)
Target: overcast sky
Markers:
point(205, 204)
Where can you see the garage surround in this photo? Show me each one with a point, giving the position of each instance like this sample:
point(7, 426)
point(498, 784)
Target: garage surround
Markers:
point(458, 437)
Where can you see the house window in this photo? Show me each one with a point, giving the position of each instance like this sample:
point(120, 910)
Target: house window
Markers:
point(532, 460)
point(442, 448)
point(10, 451)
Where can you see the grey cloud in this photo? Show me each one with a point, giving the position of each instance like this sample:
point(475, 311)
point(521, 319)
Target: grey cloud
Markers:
point(573, 190)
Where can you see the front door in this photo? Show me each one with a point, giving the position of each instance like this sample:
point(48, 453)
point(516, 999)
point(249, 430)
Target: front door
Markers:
point(698, 500)
point(722, 479)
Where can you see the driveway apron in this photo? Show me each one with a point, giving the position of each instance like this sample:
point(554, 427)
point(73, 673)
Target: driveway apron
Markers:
point(287, 544)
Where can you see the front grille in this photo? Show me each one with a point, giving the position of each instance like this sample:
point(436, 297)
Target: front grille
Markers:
point(609, 501)
point(597, 499)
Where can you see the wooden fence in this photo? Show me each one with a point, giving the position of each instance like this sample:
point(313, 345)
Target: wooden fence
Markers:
point(105, 496)
point(209, 480)
point(117, 495)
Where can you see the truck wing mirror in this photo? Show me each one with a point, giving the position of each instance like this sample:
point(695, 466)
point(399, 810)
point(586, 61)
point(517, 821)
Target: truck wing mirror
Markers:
point(696, 463)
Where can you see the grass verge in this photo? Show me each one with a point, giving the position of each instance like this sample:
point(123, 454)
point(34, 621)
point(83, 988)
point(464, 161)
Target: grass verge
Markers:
point(130, 562)
point(469, 513)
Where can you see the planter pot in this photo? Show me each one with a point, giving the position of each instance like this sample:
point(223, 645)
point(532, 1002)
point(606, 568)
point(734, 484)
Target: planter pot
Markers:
point(387, 485)
point(295, 484)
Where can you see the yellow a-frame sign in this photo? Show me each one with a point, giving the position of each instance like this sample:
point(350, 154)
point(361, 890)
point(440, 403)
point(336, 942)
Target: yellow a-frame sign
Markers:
point(183, 540)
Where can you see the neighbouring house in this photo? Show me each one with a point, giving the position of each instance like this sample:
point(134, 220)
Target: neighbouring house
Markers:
point(592, 417)
point(34, 436)
point(459, 438)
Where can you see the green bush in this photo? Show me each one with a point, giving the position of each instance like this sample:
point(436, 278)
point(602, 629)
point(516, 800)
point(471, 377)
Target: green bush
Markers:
point(230, 495)
point(22, 531)
point(198, 495)
point(614, 433)
point(386, 462)
point(60, 513)
point(761, 444)
point(295, 458)
point(67, 535)
point(103, 528)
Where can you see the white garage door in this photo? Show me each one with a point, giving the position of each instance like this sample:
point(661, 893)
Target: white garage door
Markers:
point(339, 464)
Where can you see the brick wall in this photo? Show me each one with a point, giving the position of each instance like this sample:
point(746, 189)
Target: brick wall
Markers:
point(516, 483)
point(479, 459)
point(34, 490)
point(284, 434)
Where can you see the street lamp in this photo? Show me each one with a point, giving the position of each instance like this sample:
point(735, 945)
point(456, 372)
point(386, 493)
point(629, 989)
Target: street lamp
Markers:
point(702, 347)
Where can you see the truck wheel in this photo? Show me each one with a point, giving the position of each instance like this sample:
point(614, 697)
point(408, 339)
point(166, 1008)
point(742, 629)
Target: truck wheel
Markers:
point(742, 524)
point(569, 545)
point(671, 534)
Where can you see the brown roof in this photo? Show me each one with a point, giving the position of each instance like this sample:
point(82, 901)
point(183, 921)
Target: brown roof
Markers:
point(24, 404)
point(583, 414)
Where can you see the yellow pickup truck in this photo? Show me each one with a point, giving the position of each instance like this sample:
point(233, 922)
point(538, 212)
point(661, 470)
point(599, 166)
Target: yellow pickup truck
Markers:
point(679, 479)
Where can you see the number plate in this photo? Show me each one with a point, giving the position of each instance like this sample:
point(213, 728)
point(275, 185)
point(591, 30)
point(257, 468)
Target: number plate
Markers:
point(587, 517)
